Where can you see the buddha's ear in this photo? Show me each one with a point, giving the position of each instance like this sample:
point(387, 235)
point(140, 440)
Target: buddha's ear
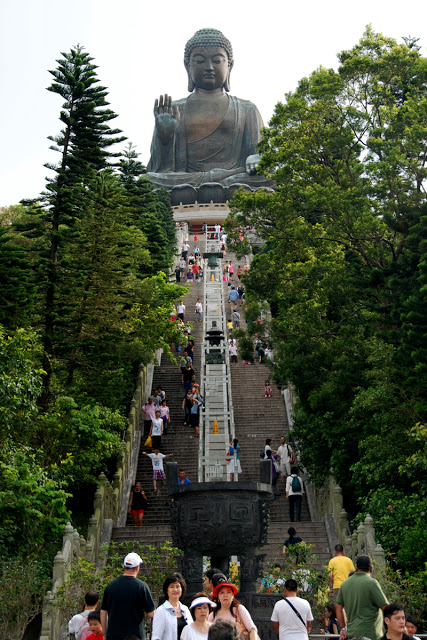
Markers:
point(190, 80)
point(227, 80)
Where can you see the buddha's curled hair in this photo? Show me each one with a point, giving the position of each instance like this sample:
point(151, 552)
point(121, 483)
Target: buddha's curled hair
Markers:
point(208, 38)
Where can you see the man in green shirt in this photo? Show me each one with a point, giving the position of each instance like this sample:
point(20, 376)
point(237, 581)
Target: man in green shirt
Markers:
point(364, 601)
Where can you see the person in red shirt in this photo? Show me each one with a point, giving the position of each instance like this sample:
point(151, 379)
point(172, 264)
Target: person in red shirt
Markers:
point(94, 619)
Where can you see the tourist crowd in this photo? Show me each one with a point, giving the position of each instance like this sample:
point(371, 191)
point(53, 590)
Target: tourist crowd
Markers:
point(362, 610)
point(358, 607)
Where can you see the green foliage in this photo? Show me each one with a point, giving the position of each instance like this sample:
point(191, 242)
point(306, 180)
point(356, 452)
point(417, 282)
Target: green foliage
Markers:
point(159, 562)
point(343, 267)
point(298, 563)
point(17, 290)
point(246, 349)
point(21, 594)
point(408, 590)
point(32, 504)
point(399, 525)
point(149, 210)
point(83, 146)
point(20, 383)
point(80, 441)
point(82, 270)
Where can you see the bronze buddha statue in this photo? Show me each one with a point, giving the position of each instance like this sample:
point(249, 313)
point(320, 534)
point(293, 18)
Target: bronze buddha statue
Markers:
point(204, 146)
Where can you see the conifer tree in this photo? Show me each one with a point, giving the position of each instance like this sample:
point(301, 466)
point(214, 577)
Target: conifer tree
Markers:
point(17, 284)
point(150, 210)
point(83, 145)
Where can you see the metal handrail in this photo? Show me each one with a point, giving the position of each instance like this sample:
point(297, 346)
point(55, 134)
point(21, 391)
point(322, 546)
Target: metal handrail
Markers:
point(202, 376)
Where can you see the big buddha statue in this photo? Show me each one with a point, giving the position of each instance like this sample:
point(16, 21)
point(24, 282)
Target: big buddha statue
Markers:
point(204, 146)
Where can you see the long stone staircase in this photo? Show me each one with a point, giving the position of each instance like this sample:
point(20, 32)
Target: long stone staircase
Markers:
point(180, 440)
point(256, 418)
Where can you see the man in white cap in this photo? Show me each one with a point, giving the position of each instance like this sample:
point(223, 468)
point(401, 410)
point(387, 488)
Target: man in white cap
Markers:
point(126, 600)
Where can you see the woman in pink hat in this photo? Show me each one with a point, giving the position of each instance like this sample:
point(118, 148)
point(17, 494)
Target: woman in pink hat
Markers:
point(230, 609)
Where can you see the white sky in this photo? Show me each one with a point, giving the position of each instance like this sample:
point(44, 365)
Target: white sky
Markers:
point(138, 46)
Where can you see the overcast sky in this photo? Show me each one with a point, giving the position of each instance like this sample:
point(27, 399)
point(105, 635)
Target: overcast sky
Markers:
point(138, 46)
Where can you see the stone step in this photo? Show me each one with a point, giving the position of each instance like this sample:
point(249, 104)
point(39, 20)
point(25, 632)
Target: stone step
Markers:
point(255, 419)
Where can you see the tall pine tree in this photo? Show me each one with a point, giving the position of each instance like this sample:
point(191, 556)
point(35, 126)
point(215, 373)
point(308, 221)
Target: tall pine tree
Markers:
point(149, 210)
point(83, 144)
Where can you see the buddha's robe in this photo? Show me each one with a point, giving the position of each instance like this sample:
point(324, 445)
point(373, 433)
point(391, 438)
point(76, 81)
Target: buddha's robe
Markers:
point(218, 157)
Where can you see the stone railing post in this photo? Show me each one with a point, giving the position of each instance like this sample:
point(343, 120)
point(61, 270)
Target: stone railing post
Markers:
point(82, 543)
point(131, 415)
point(89, 547)
point(354, 546)
point(76, 545)
point(361, 540)
point(47, 622)
point(58, 569)
point(91, 537)
point(344, 528)
point(348, 547)
point(97, 502)
point(337, 502)
point(370, 542)
point(116, 480)
point(379, 556)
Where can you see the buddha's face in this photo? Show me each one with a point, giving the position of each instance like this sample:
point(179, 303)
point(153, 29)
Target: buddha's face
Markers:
point(208, 68)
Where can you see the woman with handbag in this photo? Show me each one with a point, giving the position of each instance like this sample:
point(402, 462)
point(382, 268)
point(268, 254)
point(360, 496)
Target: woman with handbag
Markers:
point(230, 610)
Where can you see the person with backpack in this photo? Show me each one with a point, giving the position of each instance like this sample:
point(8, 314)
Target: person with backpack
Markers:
point(294, 492)
point(79, 624)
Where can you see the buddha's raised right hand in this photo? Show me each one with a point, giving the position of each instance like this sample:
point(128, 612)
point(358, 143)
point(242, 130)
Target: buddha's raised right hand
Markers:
point(167, 117)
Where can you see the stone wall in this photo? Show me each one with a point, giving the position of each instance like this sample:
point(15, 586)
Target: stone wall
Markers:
point(110, 508)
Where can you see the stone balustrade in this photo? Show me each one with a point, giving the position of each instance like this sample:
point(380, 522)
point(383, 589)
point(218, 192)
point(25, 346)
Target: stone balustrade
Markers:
point(110, 508)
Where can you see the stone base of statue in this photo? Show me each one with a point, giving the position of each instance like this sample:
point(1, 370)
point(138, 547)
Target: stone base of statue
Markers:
point(214, 191)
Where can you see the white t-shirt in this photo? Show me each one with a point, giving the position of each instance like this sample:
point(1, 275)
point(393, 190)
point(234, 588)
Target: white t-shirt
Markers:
point(181, 308)
point(157, 427)
point(290, 626)
point(190, 633)
point(289, 486)
point(232, 349)
point(76, 625)
point(157, 460)
point(185, 246)
point(284, 452)
point(199, 307)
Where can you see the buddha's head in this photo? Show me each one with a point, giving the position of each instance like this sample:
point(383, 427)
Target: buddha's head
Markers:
point(208, 59)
